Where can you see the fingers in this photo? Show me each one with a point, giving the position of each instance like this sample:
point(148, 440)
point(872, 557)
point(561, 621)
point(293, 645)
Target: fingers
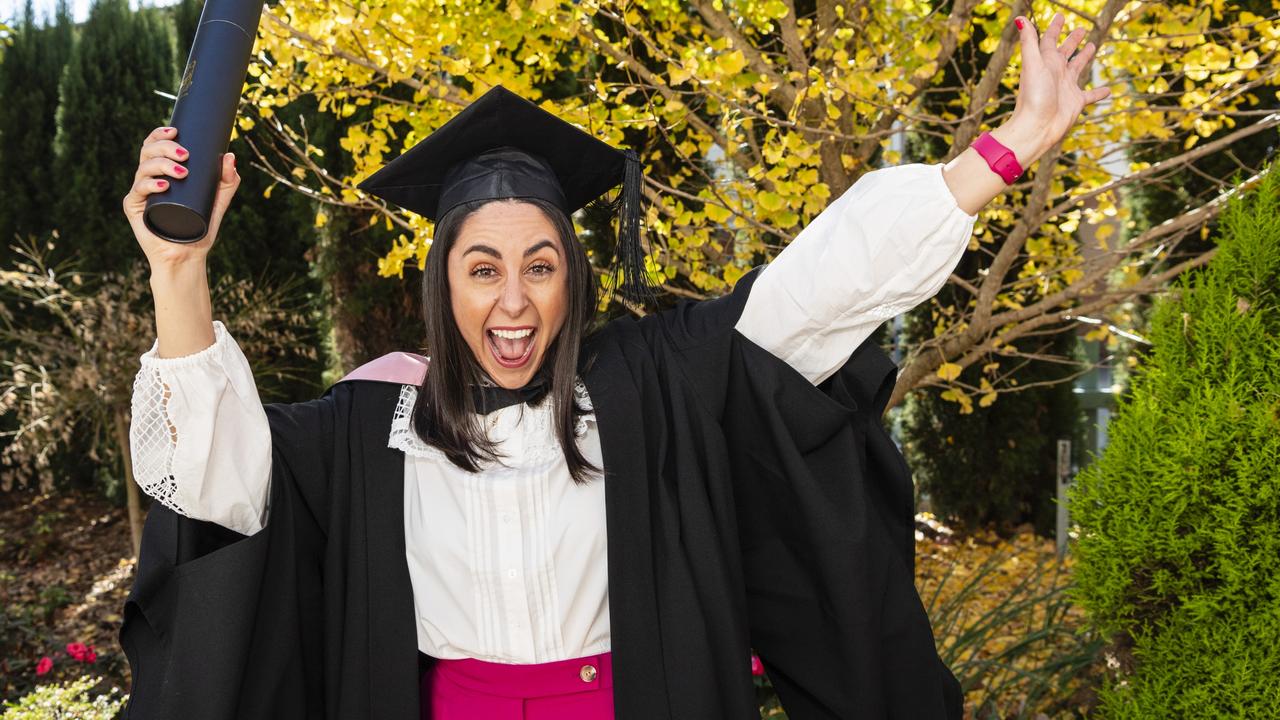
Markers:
point(161, 133)
point(160, 158)
point(229, 174)
point(1028, 38)
point(230, 182)
point(160, 167)
point(144, 186)
point(1081, 59)
point(163, 149)
point(1072, 42)
point(1049, 41)
point(152, 177)
point(1093, 95)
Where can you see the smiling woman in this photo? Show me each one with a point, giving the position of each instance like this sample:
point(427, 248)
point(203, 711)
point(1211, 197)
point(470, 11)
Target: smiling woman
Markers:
point(507, 295)
point(325, 559)
point(553, 522)
point(506, 287)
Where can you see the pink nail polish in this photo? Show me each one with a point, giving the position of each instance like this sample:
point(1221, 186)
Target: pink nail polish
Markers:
point(163, 184)
point(1018, 22)
point(181, 152)
point(179, 169)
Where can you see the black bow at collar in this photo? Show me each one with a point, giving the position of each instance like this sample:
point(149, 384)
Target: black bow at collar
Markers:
point(489, 397)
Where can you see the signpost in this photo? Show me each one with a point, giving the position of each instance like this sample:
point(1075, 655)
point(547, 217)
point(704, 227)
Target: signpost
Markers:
point(1064, 481)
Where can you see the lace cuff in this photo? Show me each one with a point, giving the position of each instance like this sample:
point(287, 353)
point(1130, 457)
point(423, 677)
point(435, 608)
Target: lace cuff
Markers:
point(200, 439)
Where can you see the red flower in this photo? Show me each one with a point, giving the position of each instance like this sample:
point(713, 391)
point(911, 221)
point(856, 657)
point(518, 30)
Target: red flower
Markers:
point(83, 653)
point(757, 667)
point(44, 666)
point(77, 650)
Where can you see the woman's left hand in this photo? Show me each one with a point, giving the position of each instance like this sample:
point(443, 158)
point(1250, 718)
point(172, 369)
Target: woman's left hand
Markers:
point(1049, 94)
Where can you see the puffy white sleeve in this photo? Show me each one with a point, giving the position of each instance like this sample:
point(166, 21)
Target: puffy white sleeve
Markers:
point(884, 246)
point(200, 439)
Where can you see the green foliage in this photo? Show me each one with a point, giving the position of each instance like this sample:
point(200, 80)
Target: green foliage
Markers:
point(24, 637)
point(29, 74)
point(993, 464)
point(1179, 519)
point(1010, 632)
point(108, 105)
point(74, 700)
point(69, 347)
point(1004, 623)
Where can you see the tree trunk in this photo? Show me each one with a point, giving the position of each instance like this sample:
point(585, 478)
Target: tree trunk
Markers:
point(371, 315)
point(132, 494)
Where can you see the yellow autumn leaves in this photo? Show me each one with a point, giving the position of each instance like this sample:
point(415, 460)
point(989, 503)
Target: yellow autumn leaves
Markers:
point(751, 120)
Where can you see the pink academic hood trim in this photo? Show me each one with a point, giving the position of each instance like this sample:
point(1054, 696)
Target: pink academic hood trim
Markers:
point(398, 367)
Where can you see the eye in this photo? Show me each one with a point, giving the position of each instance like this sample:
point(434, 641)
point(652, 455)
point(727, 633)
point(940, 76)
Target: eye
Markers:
point(483, 271)
point(542, 268)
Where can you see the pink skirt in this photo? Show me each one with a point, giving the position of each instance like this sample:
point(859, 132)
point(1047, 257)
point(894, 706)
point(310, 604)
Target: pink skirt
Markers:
point(575, 689)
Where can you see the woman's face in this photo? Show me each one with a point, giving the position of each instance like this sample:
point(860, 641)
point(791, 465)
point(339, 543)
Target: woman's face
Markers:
point(509, 288)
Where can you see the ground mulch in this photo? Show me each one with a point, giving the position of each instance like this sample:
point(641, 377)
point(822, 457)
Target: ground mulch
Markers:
point(66, 565)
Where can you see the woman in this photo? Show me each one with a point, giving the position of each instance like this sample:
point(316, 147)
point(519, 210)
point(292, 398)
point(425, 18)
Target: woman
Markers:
point(555, 523)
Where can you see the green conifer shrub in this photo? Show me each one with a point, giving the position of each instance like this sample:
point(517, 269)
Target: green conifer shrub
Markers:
point(108, 106)
point(1179, 519)
point(30, 68)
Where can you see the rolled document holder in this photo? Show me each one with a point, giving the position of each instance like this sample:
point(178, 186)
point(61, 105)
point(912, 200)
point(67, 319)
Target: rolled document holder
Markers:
point(203, 114)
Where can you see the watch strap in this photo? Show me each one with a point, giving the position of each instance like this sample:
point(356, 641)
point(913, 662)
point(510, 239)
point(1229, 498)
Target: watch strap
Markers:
point(999, 158)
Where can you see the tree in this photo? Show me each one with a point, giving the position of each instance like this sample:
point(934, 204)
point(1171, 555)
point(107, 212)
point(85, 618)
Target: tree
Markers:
point(108, 104)
point(752, 115)
point(995, 464)
point(70, 339)
point(29, 74)
point(981, 463)
point(1179, 520)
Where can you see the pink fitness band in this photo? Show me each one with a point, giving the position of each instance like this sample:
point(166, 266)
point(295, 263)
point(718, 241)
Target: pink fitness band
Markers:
point(1001, 159)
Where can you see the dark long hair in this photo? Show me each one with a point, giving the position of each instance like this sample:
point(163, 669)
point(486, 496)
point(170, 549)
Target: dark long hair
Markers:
point(445, 413)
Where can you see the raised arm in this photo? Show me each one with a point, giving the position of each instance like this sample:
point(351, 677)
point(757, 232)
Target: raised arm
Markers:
point(885, 245)
point(179, 279)
point(890, 241)
point(199, 435)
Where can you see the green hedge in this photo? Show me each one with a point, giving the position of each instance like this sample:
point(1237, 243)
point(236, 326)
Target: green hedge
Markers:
point(1179, 547)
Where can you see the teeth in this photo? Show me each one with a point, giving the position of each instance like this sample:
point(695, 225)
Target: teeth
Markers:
point(513, 334)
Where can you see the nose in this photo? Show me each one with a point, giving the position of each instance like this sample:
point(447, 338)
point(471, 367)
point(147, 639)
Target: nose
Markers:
point(514, 298)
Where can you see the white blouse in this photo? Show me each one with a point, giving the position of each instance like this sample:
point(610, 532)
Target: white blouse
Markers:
point(510, 564)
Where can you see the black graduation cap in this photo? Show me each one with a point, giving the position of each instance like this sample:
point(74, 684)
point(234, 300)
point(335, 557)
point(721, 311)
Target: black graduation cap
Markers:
point(504, 146)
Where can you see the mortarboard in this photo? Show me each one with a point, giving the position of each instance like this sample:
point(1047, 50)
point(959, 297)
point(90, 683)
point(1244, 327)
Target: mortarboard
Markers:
point(504, 146)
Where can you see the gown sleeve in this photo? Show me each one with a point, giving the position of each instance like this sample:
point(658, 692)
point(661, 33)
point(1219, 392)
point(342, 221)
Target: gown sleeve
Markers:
point(825, 507)
point(200, 439)
point(821, 498)
point(884, 246)
point(224, 619)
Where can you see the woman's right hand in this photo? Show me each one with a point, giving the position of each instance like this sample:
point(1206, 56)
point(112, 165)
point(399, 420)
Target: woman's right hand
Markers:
point(161, 158)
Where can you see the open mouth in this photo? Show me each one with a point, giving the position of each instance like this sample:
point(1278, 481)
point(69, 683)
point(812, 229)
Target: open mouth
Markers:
point(511, 347)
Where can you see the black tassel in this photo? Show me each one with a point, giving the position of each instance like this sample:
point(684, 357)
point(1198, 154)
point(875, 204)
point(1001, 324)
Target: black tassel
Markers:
point(636, 287)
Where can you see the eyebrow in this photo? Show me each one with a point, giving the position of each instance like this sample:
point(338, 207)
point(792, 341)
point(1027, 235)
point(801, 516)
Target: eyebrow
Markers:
point(529, 251)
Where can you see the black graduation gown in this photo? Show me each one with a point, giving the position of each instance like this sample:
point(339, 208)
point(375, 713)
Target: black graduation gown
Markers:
point(745, 507)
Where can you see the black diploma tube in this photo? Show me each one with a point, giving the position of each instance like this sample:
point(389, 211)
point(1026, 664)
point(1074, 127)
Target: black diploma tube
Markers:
point(203, 114)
